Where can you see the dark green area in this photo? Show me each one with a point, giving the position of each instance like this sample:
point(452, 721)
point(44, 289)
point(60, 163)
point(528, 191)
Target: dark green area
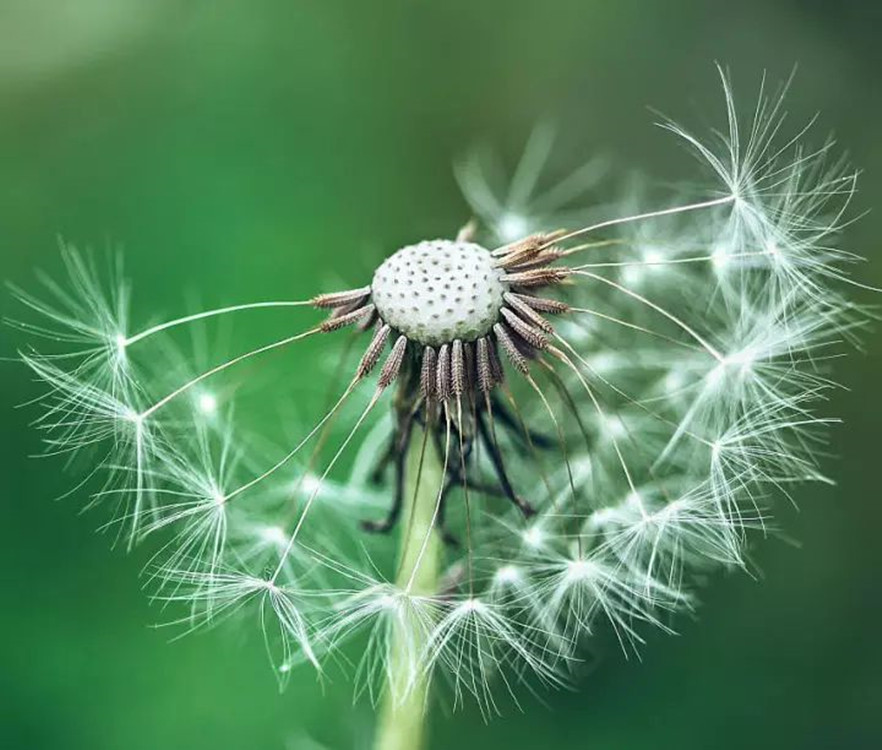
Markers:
point(253, 150)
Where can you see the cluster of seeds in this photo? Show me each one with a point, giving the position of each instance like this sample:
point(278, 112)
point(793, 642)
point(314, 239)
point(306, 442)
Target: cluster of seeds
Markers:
point(455, 303)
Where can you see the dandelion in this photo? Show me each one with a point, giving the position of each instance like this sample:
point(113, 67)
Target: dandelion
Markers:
point(586, 417)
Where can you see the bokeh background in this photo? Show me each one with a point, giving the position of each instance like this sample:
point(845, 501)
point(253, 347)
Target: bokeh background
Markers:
point(247, 150)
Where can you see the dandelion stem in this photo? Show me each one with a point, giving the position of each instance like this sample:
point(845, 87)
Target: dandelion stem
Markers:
point(402, 721)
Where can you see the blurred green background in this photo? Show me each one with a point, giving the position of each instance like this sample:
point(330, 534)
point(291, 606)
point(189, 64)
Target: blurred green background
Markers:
point(251, 150)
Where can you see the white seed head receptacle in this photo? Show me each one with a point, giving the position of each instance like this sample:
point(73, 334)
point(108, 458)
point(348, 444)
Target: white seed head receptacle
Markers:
point(439, 290)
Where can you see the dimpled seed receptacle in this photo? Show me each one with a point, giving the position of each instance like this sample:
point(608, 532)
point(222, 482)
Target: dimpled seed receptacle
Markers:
point(439, 290)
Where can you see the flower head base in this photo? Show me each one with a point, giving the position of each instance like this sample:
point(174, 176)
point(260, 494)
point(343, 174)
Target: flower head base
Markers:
point(435, 292)
point(589, 418)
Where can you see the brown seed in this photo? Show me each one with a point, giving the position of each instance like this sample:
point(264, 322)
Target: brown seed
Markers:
point(544, 258)
point(521, 251)
point(335, 323)
point(484, 368)
point(392, 366)
point(537, 277)
point(542, 304)
point(338, 299)
point(518, 360)
point(443, 384)
point(428, 374)
point(457, 368)
point(533, 336)
point(468, 350)
point(496, 368)
point(526, 312)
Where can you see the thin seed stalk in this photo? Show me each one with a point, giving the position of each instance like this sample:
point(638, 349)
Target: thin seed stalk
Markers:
point(402, 721)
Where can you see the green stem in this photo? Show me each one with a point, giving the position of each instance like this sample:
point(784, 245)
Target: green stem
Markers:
point(402, 722)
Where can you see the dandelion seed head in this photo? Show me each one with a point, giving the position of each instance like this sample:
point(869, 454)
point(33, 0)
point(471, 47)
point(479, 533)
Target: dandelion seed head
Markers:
point(573, 414)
